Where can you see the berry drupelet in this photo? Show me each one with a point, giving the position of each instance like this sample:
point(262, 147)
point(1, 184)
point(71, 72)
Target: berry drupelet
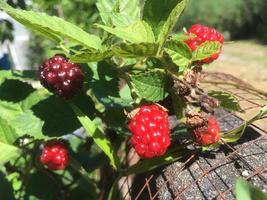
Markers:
point(61, 77)
point(55, 155)
point(204, 34)
point(209, 134)
point(150, 131)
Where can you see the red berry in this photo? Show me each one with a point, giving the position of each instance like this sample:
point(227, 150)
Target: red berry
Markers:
point(55, 155)
point(204, 34)
point(150, 131)
point(208, 135)
point(61, 77)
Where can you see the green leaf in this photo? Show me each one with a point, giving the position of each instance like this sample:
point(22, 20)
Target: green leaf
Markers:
point(17, 75)
point(227, 101)
point(105, 80)
point(34, 98)
point(57, 117)
point(263, 112)
point(7, 133)
point(77, 166)
point(15, 90)
point(179, 131)
point(52, 27)
point(206, 49)
point(130, 8)
point(151, 164)
point(8, 152)
point(120, 20)
point(19, 114)
point(162, 15)
point(42, 185)
point(234, 135)
point(97, 135)
point(14, 178)
point(84, 190)
point(5, 187)
point(125, 93)
point(23, 122)
point(9, 110)
point(28, 124)
point(180, 54)
point(135, 50)
point(86, 57)
point(151, 85)
point(246, 191)
point(119, 13)
point(106, 8)
point(182, 37)
point(135, 33)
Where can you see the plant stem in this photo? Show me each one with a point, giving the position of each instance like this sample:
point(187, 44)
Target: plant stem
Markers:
point(127, 78)
point(98, 105)
point(249, 122)
point(172, 155)
point(62, 46)
point(134, 67)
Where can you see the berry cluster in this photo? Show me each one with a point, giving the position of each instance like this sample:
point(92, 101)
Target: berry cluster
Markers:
point(55, 155)
point(209, 134)
point(204, 34)
point(150, 131)
point(61, 77)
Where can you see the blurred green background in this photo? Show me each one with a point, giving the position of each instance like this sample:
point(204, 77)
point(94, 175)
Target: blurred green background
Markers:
point(236, 19)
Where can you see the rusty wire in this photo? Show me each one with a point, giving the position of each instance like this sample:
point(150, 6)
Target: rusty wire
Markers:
point(247, 95)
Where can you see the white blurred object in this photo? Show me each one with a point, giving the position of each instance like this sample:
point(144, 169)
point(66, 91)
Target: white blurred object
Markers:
point(19, 47)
